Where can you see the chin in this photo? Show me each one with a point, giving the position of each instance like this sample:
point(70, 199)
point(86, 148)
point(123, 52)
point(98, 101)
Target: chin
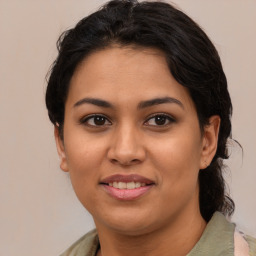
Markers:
point(127, 223)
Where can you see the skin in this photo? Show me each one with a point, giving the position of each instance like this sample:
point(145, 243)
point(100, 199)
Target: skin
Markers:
point(130, 141)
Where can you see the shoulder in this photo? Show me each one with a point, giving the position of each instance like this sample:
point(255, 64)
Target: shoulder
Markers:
point(87, 245)
point(252, 244)
point(221, 238)
point(244, 245)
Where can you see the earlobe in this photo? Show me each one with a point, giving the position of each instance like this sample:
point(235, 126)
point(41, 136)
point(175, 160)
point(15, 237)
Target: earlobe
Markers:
point(60, 149)
point(210, 141)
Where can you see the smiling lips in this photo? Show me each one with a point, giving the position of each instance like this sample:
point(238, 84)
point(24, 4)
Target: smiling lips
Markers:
point(126, 187)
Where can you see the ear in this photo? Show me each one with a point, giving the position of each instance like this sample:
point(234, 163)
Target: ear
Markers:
point(60, 149)
point(210, 141)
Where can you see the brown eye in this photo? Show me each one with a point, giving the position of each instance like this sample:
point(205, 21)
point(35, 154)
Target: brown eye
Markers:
point(96, 120)
point(160, 120)
point(99, 120)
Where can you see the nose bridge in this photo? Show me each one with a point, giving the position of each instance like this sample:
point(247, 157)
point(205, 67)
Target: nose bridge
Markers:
point(126, 146)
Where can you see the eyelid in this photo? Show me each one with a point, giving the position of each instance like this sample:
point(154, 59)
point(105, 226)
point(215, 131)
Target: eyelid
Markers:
point(168, 116)
point(84, 120)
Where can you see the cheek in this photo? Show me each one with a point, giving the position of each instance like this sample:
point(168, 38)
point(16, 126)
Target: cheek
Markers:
point(178, 159)
point(83, 170)
point(84, 160)
point(178, 166)
point(83, 153)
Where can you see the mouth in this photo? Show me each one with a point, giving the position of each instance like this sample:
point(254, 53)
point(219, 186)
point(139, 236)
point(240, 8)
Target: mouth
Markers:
point(126, 187)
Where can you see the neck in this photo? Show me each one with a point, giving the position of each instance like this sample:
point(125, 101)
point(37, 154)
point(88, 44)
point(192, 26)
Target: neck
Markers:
point(177, 238)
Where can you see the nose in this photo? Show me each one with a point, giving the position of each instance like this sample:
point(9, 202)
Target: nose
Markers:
point(126, 147)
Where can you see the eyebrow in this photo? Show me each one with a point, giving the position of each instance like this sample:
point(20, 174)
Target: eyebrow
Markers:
point(97, 102)
point(158, 101)
point(141, 105)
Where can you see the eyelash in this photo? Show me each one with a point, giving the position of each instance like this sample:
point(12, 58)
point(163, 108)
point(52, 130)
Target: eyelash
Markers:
point(166, 117)
point(91, 117)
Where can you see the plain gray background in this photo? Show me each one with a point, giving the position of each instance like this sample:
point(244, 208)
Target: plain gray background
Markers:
point(39, 213)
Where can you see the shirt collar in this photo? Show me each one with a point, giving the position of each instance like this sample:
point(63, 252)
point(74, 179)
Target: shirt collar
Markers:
point(217, 238)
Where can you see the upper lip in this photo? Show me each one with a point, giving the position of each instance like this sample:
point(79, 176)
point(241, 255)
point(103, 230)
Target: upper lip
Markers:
point(126, 178)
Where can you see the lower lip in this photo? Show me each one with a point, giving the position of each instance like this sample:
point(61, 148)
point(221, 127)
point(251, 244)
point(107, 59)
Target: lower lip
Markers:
point(127, 194)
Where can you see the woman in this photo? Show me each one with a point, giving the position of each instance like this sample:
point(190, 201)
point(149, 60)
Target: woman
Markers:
point(141, 110)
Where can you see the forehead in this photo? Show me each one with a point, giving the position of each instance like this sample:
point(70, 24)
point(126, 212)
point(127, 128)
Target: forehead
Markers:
point(126, 74)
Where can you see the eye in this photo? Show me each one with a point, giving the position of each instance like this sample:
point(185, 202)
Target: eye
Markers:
point(95, 120)
point(160, 120)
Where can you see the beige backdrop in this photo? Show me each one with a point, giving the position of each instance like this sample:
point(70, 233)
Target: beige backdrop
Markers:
point(39, 213)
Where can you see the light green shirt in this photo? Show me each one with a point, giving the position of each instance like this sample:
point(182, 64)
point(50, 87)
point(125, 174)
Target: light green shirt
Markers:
point(216, 240)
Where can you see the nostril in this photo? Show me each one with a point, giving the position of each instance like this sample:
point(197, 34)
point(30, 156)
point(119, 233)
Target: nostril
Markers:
point(135, 161)
point(114, 161)
point(125, 162)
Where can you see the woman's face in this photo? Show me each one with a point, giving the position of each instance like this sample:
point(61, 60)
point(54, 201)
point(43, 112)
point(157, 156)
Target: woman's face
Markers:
point(132, 142)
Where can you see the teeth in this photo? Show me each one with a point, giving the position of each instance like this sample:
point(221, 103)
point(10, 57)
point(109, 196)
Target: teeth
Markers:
point(128, 185)
point(137, 184)
point(122, 185)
